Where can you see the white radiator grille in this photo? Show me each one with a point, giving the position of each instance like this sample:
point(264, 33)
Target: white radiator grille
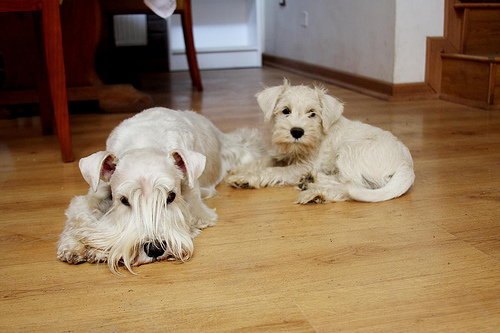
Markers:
point(130, 30)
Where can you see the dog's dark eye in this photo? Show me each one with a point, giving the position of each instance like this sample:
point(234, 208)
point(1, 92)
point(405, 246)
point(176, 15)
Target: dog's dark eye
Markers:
point(171, 197)
point(286, 111)
point(124, 201)
point(311, 114)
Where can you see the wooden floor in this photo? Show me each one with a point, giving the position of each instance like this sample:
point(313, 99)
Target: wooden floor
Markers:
point(426, 262)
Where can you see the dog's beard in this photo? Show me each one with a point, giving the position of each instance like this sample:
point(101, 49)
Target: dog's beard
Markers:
point(122, 232)
point(291, 150)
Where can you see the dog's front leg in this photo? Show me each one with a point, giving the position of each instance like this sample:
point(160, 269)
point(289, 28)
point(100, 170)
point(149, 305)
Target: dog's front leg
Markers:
point(70, 247)
point(83, 213)
point(262, 175)
point(244, 176)
point(201, 215)
point(285, 175)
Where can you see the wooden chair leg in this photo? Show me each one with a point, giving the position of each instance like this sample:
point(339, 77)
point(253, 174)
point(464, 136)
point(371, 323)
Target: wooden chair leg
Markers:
point(57, 77)
point(187, 27)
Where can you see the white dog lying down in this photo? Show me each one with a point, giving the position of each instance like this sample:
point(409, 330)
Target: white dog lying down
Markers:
point(145, 198)
point(330, 157)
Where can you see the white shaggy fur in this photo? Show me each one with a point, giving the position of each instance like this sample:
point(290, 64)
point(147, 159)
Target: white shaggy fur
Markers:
point(145, 198)
point(330, 157)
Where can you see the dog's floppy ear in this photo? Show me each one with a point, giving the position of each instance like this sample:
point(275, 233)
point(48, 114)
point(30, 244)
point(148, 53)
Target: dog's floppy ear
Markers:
point(268, 97)
point(332, 109)
point(96, 167)
point(191, 163)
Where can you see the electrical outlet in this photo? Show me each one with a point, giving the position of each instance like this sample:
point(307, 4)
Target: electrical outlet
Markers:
point(304, 19)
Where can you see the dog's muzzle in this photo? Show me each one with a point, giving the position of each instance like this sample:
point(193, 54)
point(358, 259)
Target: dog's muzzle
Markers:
point(297, 132)
point(155, 249)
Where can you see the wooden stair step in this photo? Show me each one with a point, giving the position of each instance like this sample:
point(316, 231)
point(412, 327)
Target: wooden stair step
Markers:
point(480, 32)
point(490, 58)
point(471, 79)
point(482, 5)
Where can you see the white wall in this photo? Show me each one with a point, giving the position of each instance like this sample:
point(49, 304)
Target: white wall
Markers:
point(382, 39)
point(415, 20)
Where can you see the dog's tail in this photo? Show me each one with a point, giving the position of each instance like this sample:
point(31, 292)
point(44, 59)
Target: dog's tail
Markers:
point(240, 147)
point(399, 183)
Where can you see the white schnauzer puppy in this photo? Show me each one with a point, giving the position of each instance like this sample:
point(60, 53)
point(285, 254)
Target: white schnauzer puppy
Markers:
point(145, 198)
point(328, 156)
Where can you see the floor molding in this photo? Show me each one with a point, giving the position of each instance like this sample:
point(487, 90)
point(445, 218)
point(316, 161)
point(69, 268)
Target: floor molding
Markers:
point(362, 84)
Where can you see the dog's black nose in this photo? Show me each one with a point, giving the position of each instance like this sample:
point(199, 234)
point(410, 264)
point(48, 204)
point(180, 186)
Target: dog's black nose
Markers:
point(297, 132)
point(155, 249)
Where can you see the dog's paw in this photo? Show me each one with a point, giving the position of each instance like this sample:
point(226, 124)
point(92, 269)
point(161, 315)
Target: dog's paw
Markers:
point(240, 181)
point(207, 219)
point(194, 231)
point(309, 196)
point(70, 249)
point(95, 256)
point(202, 224)
point(317, 193)
point(305, 181)
point(72, 256)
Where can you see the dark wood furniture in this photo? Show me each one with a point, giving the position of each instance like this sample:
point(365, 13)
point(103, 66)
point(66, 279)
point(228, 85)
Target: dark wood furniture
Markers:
point(52, 83)
point(114, 7)
point(85, 32)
